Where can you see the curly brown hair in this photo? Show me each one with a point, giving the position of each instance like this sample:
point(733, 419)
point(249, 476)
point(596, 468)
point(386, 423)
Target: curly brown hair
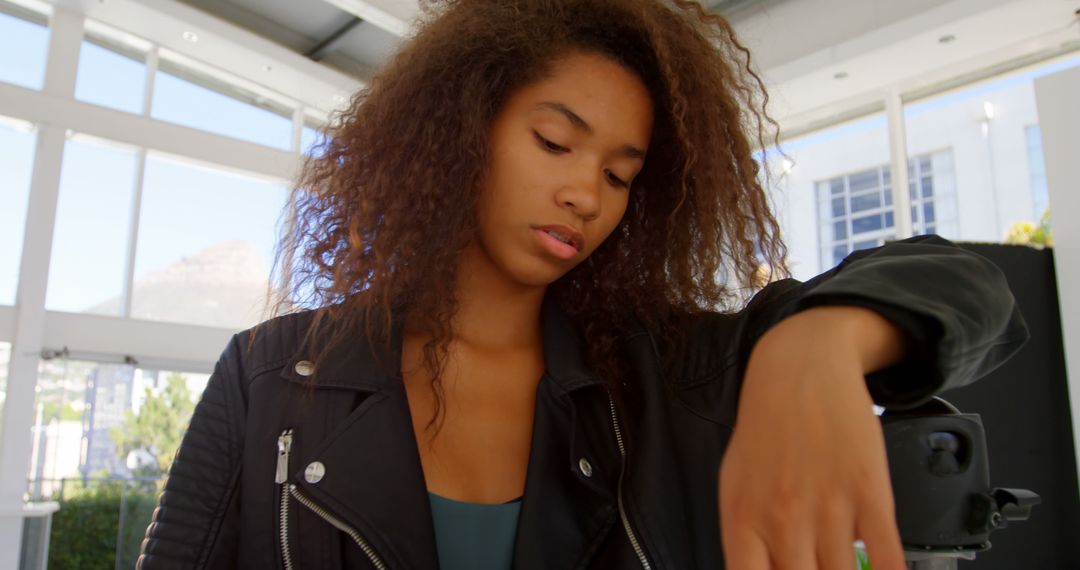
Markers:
point(383, 210)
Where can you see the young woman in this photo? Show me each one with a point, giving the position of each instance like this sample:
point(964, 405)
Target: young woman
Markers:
point(529, 240)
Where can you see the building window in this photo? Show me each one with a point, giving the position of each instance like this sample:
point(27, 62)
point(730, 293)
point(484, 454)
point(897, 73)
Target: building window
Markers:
point(195, 96)
point(17, 140)
point(197, 262)
point(856, 210)
point(24, 46)
point(1040, 193)
point(112, 70)
point(93, 220)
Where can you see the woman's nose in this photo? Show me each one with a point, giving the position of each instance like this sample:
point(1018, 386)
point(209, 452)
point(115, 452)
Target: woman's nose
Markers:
point(582, 196)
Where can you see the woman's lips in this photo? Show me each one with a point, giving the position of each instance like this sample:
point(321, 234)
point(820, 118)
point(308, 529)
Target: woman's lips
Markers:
point(559, 247)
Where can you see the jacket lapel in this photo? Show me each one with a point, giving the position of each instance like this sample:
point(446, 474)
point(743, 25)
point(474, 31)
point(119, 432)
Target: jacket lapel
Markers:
point(570, 502)
point(372, 478)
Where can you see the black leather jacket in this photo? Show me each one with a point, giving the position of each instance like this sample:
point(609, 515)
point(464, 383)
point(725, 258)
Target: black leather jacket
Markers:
point(332, 474)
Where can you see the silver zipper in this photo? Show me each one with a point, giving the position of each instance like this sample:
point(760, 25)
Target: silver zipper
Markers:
point(622, 510)
point(284, 446)
point(340, 525)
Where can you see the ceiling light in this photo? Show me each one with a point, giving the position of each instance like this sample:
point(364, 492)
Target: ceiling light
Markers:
point(946, 39)
point(988, 110)
point(840, 75)
point(191, 37)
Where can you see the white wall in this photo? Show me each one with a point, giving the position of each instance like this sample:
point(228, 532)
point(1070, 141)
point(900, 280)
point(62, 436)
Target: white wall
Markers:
point(1057, 97)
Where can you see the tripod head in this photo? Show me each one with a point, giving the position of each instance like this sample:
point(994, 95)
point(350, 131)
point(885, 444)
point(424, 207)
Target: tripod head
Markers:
point(945, 507)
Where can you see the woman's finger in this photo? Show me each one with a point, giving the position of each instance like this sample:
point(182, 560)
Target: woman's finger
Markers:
point(793, 549)
point(877, 528)
point(836, 551)
point(743, 548)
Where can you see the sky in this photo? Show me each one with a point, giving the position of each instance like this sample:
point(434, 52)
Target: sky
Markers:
point(185, 208)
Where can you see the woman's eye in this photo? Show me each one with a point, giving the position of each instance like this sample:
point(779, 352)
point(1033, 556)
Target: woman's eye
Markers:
point(548, 145)
point(615, 180)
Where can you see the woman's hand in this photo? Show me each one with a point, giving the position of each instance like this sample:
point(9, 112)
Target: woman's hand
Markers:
point(805, 473)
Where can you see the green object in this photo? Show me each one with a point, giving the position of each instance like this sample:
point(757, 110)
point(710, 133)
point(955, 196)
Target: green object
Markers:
point(862, 558)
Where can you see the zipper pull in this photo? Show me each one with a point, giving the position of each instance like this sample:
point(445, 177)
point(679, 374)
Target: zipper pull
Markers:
point(284, 446)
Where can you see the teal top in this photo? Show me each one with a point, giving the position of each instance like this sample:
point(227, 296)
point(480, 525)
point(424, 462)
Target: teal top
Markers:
point(474, 536)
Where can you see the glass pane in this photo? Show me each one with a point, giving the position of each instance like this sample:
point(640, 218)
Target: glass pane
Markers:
point(198, 260)
point(17, 141)
point(59, 412)
point(865, 202)
point(839, 252)
point(182, 101)
point(865, 244)
point(840, 230)
point(981, 129)
point(104, 436)
point(110, 78)
point(866, 224)
point(86, 272)
point(864, 180)
point(838, 207)
point(888, 219)
point(24, 45)
point(310, 136)
point(928, 212)
point(927, 187)
point(837, 185)
point(1040, 194)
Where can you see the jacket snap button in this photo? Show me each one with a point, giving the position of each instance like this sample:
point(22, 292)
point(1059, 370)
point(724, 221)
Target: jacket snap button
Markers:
point(585, 467)
point(314, 472)
point(304, 368)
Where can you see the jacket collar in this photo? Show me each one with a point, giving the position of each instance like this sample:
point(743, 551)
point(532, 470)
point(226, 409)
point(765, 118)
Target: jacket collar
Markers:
point(360, 364)
point(373, 480)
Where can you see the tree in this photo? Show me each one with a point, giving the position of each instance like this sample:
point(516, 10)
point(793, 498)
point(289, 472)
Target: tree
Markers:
point(158, 427)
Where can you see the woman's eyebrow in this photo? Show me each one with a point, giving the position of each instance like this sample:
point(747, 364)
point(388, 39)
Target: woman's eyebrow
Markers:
point(574, 118)
point(580, 124)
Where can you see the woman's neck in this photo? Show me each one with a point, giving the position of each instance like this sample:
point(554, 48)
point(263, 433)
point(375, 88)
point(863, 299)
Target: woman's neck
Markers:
point(493, 311)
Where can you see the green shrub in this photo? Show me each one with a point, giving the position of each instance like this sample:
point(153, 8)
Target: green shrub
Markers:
point(87, 526)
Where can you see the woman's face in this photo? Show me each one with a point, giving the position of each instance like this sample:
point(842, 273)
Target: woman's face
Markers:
point(564, 154)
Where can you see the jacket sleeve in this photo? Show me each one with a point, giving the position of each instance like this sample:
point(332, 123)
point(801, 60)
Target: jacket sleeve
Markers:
point(954, 305)
point(195, 524)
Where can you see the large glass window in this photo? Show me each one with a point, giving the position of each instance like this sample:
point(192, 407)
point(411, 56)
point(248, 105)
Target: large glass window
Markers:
point(24, 46)
point(989, 127)
point(206, 239)
point(103, 438)
point(193, 99)
point(86, 272)
point(17, 140)
point(856, 210)
point(111, 74)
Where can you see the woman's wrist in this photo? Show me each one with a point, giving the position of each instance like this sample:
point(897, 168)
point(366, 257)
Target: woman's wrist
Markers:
point(835, 331)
